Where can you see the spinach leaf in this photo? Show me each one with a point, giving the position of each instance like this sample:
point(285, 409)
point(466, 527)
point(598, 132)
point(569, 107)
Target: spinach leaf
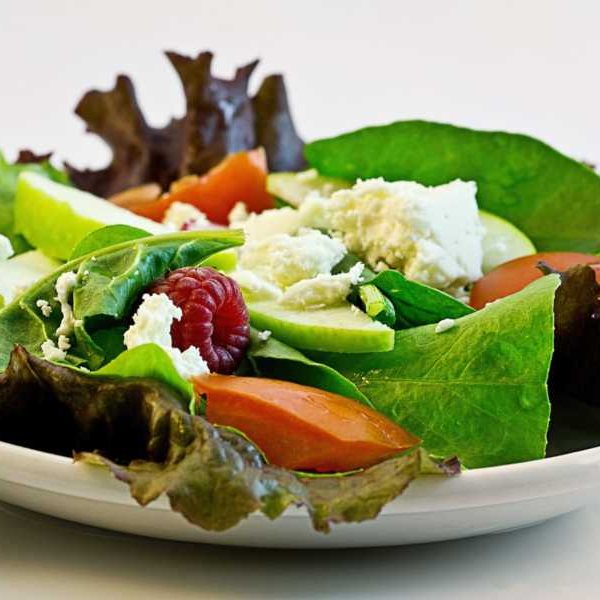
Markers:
point(107, 236)
point(9, 174)
point(478, 390)
point(109, 283)
point(415, 303)
point(519, 178)
point(213, 477)
point(148, 361)
point(279, 361)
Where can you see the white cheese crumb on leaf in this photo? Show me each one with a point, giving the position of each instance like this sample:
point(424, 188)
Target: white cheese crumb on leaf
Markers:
point(445, 325)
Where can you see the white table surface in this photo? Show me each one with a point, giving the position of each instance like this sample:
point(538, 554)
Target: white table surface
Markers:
point(47, 558)
point(528, 65)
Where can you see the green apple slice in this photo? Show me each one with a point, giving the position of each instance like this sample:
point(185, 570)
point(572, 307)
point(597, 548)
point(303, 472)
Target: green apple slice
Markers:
point(293, 188)
point(334, 329)
point(502, 241)
point(22, 271)
point(225, 261)
point(55, 218)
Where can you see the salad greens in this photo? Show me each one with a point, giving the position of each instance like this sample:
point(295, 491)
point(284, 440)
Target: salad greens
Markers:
point(105, 237)
point(478, 390)
point(9, 174)
point(272, 358)
point(519, 178)
point(220, 119)
point(109, 283)
point(212, 476)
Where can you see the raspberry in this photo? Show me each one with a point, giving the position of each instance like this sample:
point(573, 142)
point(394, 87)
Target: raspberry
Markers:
point(215, 318)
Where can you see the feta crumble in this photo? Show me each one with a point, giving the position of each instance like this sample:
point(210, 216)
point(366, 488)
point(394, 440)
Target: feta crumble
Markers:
point(432, 234)
point(263, 336)
point(51, 352)
point(64, 289)
point(6, 249)
point(284, 259)
point(152, 325)
point(445, 325)
point(255, 287)
point(322, 291)
point(44, 307)
point(238, 214)
point(180, 214)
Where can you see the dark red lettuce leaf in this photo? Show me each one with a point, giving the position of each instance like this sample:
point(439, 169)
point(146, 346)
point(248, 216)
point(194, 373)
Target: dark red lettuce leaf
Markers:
point(27, 157)
point(212, 476)
point(275, 130)
point(220, 118)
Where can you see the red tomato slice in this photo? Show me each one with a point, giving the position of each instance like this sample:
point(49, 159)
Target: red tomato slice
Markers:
point(240, 177)
point(514, 275)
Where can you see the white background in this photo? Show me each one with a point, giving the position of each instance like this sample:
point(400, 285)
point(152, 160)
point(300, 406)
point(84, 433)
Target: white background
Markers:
point(529, 66)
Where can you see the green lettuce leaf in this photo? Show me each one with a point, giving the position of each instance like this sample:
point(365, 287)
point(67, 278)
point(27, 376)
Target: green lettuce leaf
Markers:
point(105, 237)
point(109, 284)
point(519, 178)
point(277, 360)
point(212, 476)
point(9, 174)
point(478, 390)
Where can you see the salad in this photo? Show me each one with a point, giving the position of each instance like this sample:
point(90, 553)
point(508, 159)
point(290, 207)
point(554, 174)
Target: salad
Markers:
point(242, 321)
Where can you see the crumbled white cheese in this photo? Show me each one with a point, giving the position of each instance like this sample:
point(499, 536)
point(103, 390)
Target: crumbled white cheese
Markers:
point(51, 352)
point(152, 325)
point(284, 259)
point(263, 336)
point(6, 249)
point(180, 214)
point(44, 307)
point(64, 343)
point(255, 287)
point(431, 234)
point(321, 291)
point(311, 214)
point(238, 214)
point(64, 288)
point(445, 325)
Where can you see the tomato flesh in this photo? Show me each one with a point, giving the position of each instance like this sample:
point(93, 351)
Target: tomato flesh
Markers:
point(516, 274)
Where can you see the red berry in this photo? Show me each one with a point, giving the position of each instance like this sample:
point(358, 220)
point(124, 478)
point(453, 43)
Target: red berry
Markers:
point(215, 318)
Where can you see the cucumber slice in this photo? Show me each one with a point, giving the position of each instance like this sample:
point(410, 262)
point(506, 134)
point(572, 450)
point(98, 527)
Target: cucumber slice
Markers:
point(377, 305)
point(54, 218)
point(335, 329)
point(502, 241)
point(293, 188)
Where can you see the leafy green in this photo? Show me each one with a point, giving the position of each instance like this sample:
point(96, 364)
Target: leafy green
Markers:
point(519, 178)
point(109, 283)
point(478, 390)
point(212, 476)
point(220, 118)
point(107, 236)
point(415, 303)
point(148, 361)
point(9, 174)
point(275, 359)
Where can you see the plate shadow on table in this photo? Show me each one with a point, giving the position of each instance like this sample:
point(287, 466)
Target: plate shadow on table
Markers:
point(181, 570)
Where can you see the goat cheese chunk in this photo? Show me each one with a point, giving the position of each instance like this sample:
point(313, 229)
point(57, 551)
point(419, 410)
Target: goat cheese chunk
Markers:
point(6, 249)
point(51, 352)
point(255, 287)
point(321, 291)
point(431, 234)
point(283, 259)
point(65, 285)
point(180, 214)
point(152, 325)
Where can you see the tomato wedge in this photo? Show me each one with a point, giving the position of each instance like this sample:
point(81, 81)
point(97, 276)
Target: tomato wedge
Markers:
point(514, 275)
point(240, 177)
point(301, 427)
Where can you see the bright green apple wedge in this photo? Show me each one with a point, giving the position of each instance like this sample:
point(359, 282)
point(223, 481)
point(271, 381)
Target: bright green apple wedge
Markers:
point(22, 271)
point(293, 188)
point(54, 218)
point(336, 329)
point(225, 261)
point(502, 241)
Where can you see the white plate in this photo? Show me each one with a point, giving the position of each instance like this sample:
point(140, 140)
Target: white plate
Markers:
point(433, 509)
